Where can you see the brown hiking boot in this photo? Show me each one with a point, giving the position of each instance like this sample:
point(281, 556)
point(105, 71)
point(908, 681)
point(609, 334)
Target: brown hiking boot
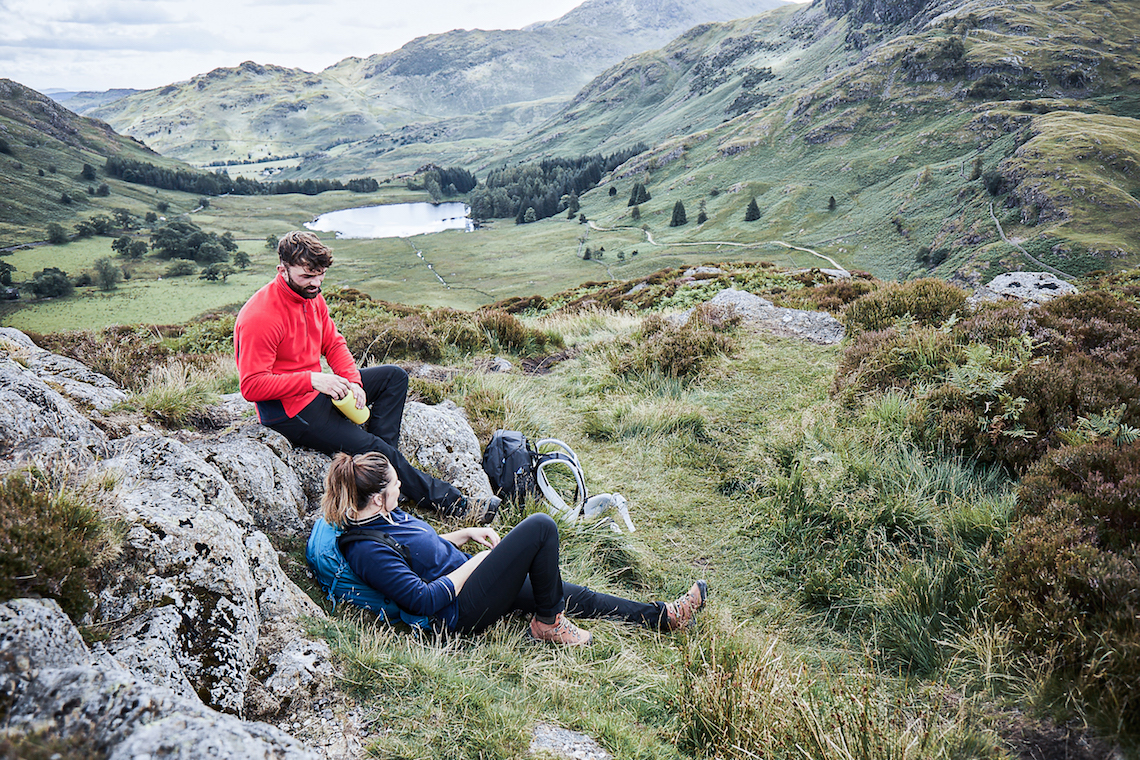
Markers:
point(561, 631)
point(683, 612)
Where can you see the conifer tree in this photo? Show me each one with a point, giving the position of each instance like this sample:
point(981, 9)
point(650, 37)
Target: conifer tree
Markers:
point(831, 203)
point(752, 213)
point(679, 217)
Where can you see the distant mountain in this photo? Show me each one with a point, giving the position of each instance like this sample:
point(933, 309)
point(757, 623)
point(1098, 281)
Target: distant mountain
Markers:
point(464, 89)
point(87, 100)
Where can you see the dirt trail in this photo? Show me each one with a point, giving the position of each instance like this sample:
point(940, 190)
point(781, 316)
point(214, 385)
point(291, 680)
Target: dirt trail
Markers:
point(651, 241)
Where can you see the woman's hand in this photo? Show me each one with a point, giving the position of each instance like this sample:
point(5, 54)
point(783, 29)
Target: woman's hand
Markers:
point(480, 534)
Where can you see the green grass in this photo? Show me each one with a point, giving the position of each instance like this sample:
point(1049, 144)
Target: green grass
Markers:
point(700, 463)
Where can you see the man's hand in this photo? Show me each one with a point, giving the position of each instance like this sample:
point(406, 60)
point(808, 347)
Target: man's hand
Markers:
point(358, 393)
point(333, 385)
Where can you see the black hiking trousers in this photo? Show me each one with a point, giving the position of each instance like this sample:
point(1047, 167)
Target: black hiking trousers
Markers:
point(522, 573)
point(321, 426)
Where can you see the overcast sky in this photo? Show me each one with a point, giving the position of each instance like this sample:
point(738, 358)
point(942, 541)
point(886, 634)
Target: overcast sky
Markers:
point(100, 44)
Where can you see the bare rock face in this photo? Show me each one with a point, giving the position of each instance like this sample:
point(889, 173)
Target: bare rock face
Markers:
point(192, 546)
point(261, 480)
point(31, 409)
point(814, 326)
point(1028, 287)
point(441, 438)
point(53, 683)
point(70, 378)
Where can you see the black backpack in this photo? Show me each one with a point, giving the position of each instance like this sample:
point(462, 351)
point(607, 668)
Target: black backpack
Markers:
point(516, 468)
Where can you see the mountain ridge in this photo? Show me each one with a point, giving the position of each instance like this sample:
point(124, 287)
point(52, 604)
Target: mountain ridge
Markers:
point(450, 75)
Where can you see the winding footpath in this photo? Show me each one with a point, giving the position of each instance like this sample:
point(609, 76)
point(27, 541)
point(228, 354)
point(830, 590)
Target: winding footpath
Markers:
point(651, 241)
point(1024, 252)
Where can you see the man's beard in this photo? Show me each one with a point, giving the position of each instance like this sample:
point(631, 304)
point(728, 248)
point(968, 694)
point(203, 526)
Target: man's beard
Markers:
point(310, 292)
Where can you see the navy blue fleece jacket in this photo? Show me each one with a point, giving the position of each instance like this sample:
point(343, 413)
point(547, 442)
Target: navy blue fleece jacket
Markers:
point(417, 585)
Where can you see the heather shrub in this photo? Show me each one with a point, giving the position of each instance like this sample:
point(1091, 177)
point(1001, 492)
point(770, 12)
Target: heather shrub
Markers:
point(928, 302)
point(679, 351)
point(993, 323)
point(1058, 390)
point(124, 353)
point(834, 297)
point(905, 357)
point(1098, 324)
point(52, 544)
point(378, 338)
point(1069, 575)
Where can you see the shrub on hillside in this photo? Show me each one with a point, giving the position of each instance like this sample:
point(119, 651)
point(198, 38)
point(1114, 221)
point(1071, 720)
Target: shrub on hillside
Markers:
point(834, 297)
point(682, 351)
point(378, 338)
point(128, 353)
point(51, 544)
point(928, 302)
point(897, 357)
point(1069, 578)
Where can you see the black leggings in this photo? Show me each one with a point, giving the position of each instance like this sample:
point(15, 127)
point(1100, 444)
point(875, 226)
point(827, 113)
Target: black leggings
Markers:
point(522, 574)
point(321, 426)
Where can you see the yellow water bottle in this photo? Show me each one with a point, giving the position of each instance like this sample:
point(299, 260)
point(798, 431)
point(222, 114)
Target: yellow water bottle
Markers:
point(347, 407)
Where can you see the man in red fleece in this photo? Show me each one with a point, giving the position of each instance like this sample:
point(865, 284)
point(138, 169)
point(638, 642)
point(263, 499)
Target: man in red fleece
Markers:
point(279, 338)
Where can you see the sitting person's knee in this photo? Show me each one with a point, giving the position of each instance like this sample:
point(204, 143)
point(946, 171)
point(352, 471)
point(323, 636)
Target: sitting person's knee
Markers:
point(541, 521)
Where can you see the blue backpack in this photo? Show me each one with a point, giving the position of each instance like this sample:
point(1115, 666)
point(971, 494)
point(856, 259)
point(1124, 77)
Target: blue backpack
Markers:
point(342, 585)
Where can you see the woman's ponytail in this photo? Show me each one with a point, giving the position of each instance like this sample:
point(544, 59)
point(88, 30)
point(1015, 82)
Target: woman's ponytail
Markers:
point(350, 483)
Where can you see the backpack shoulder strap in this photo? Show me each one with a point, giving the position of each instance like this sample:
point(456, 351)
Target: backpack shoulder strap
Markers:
point(568, 459)
point(371, 534)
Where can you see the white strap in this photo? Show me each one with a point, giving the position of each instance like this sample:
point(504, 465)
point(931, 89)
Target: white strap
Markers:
point(553, 496)
point(554, 442)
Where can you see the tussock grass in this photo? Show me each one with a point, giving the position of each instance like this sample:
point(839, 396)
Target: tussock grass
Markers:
point(178, 394)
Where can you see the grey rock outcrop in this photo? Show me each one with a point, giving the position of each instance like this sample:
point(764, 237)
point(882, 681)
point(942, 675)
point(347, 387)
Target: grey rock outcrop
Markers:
point(439, 437)
point(267, 486)
point(760, 313)
point(1028, 287)
point(193, 546)
point(69, 377)
point(53, 684)
point(31, 409)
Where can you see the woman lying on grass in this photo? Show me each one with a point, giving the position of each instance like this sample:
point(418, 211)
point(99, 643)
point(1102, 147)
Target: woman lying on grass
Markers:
point(469, 593)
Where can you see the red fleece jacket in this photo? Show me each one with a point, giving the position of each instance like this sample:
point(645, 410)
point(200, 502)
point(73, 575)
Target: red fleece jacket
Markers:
point(279, 338)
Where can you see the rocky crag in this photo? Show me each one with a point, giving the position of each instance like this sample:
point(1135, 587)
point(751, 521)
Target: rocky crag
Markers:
point(201, 631)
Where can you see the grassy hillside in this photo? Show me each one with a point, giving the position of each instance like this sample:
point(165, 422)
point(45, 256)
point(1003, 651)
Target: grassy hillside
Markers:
point(46, 148)
point(445, 93)
point(914, 135)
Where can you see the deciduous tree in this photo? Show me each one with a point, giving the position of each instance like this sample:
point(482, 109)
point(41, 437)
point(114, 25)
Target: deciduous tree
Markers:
point(107, 274)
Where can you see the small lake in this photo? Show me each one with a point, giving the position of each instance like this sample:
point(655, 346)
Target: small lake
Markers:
point(394, 220)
